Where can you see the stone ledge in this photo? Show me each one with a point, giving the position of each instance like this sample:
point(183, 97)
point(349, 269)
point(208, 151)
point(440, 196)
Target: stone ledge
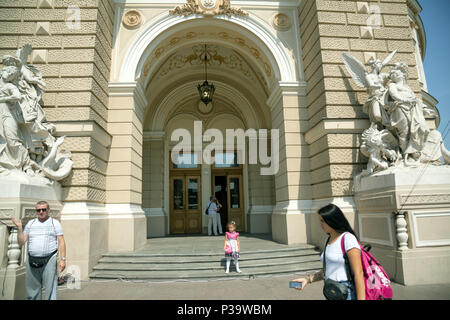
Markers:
point(335, 126)
point(84, 129)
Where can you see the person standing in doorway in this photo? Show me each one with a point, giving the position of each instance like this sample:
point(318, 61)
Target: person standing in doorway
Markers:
point(212, 215)
point(43, 234)
point(219, 219)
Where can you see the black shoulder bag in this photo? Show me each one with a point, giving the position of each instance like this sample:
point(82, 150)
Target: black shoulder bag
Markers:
point(206, 211)
point(334, 290)
point(39, 262)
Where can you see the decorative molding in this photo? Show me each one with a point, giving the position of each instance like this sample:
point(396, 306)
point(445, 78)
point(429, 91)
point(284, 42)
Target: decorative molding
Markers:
point(43, 28)
point(6, 213)
point(83, 211)
point(14, 251)
point(39, 56)
point(84, 129)
point(282, 22)
point(386, 216)
point(254, 210)
point(143, 45)
point(294, 88)
point(154, 212)
point(217, 57)
point(154, 135)
point(124, 211)
point(374, 202)
point(29, 213)
point(45, 4)
point(363, 7)
point(130, 89)
point(415, 228)
point(132, 19)
point(402, 231)
point(208, 8)
point(424, 199)
point(205, 109)
point(347, 205)
point(329, 126)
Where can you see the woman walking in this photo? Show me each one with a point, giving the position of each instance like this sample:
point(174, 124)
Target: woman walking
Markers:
point(345, 279)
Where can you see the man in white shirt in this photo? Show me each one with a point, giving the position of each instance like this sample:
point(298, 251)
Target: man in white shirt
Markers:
point(43, 235)
point(212, 215)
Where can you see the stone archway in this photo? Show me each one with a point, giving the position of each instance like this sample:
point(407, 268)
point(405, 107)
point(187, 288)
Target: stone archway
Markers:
point(146, 102)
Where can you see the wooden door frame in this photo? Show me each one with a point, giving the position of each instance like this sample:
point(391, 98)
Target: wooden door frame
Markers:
point(233, 172)
point(184, 175)
point(171, 202)
point(199, 198)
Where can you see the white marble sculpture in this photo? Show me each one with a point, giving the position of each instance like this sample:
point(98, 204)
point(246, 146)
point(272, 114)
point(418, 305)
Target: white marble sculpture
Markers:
point(398, 134)
point(28, 149)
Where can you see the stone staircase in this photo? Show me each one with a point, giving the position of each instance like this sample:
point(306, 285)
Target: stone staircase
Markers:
point(154, 265)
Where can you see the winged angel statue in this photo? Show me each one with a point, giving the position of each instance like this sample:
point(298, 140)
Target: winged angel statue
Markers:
point(27, 144)
point(398, 133)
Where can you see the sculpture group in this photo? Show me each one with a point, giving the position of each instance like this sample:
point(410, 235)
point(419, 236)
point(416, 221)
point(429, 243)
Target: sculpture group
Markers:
point(398, 134)
point(27, 143)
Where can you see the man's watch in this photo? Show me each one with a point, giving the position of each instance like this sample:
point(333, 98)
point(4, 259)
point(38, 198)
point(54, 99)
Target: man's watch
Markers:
point(63, 258)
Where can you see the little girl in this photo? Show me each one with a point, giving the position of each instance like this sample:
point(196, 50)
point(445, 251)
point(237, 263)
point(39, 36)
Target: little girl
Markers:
point(232, 246)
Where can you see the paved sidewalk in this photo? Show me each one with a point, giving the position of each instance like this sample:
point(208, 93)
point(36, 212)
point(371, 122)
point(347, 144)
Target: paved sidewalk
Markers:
point(256, 289)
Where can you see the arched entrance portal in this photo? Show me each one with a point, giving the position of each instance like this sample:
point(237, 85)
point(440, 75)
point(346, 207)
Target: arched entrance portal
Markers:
point(242, 76)
point(254, 76)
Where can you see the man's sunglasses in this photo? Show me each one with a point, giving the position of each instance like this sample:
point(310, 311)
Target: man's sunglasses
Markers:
point(41, 210)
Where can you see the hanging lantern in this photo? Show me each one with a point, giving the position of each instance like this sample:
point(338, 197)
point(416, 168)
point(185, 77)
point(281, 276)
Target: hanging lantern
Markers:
point(206, 90)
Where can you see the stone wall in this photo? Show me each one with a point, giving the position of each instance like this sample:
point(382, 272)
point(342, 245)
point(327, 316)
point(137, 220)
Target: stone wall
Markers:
point(336, 119)
point(75, 62)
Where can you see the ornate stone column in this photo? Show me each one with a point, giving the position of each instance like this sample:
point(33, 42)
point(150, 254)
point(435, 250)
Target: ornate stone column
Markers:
point(293, 179)
point(124, 175)
point(402, 231)
point(153, 184)
point(14, 251)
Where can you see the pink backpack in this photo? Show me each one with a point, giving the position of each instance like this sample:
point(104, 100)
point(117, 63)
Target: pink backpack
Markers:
point(377, 283)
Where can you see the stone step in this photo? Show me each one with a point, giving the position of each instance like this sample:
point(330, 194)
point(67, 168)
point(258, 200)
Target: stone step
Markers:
point(170, 259)
point(205, 253)
point(210, 265)
point(306, 267)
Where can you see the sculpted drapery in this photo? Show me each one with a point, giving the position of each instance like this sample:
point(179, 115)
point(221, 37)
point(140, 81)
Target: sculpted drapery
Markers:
point(27, 144)
point(398, 134)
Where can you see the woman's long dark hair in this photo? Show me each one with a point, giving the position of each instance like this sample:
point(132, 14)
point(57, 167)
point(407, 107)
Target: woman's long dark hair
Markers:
point(334, 217)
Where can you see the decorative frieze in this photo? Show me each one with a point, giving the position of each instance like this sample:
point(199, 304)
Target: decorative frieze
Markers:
point(424, 199)
point(208, 8)
point(6, 213)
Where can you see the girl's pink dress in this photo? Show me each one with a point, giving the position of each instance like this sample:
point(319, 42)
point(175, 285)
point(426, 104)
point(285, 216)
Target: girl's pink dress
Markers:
point(232, 242)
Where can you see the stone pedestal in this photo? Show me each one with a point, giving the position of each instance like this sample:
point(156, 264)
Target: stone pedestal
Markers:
point(259, 219)
point(404, 213)
point(18, 197)
point(13, 283)
point(289, 221)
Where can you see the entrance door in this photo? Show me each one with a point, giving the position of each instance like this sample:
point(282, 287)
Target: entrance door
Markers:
point(185, 210)
point(220, 191)
point(228, 190)
point(235, 203)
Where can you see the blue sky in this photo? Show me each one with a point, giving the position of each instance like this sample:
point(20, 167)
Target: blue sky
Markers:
point(436, 19)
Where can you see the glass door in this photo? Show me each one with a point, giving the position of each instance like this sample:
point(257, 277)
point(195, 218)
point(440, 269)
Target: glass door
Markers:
point(193, 216)
point(235, 202)
point(185, 209)
point(177, 205)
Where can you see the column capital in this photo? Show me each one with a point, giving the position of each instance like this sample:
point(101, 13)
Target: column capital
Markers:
point(130, 89)
point(154, 135)
point(283, 88)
